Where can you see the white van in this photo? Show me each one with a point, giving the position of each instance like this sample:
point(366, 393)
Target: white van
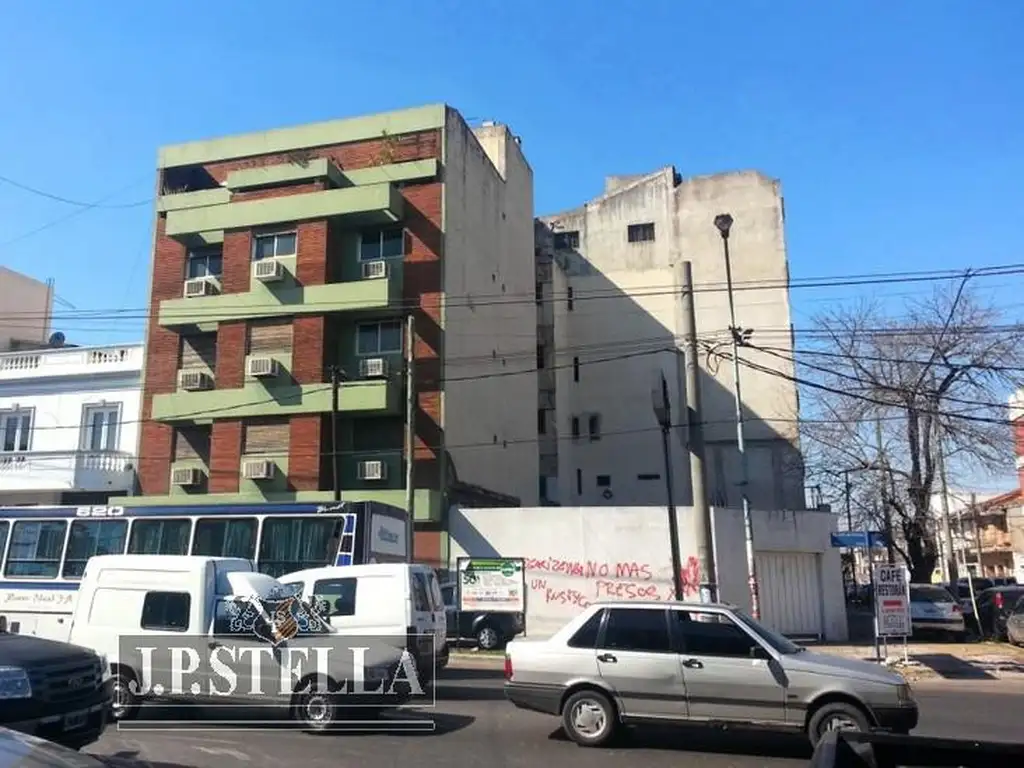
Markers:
point(207, 603)
point(382, 600)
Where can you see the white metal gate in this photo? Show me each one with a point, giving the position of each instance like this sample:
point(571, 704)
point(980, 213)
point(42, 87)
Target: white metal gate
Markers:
point(790, 591)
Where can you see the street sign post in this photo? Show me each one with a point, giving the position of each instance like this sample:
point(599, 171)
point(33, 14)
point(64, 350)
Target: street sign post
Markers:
point(858, 539)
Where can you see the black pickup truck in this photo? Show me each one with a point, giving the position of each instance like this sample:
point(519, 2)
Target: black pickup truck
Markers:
point(52, 690)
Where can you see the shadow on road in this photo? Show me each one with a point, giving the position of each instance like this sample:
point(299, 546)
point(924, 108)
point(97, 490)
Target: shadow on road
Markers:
point(468, 692)
point(472, 673)
point(726, 741)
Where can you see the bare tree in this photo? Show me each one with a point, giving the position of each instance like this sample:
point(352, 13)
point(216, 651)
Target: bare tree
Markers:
point(875, 386)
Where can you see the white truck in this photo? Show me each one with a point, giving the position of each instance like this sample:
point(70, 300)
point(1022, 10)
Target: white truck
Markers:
point(211, 631)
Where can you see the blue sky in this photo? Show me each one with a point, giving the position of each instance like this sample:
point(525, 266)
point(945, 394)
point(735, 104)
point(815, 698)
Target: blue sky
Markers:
point(895, 127)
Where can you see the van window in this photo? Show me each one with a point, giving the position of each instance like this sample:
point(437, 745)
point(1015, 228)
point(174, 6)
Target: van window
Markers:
point(167, 611)
point(225, 538)
point(296, 544)
point(420, 596)
point(340, 593)
point(448, 595)
point(159, 537)
point(36, 548)
point(93, 537)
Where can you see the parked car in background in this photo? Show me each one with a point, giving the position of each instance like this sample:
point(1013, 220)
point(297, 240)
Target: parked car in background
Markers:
point(934, 610)
point(994, 607)
point(1015, 624)
point(625, 663)
point(489, 630)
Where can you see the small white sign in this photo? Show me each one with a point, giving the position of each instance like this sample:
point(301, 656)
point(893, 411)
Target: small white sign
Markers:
point(492, 584)
point(892, 601)
point(387, 536)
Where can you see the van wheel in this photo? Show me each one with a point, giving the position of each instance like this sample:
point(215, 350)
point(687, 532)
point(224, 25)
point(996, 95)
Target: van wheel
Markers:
point(836, 716)
point(124, 703)
point(487, 638)
point(316, 710)
point(588, 718)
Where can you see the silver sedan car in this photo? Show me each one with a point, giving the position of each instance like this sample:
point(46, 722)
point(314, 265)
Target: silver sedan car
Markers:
point(645, 662)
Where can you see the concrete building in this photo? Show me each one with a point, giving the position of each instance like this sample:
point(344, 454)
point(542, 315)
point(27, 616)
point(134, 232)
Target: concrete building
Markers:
point(69, 424)
point(26, 307)
point(283, 254)
point(610, 319)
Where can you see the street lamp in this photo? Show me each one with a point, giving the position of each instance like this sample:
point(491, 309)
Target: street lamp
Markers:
point(663, 413)
point(723, 222)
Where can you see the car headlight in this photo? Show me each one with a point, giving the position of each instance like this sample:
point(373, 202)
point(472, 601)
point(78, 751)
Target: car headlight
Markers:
point(904, 695)
point(14, 683)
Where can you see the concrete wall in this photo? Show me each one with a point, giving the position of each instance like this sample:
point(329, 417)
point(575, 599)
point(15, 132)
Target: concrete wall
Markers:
point(575, 556)
point(490, 322)
point(627, 305)
point(26, 306)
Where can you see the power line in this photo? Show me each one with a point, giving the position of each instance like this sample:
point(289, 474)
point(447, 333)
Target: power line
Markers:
point(61, 199)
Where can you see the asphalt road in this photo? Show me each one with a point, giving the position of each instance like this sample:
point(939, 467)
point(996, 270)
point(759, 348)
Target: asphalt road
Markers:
point(475, 726)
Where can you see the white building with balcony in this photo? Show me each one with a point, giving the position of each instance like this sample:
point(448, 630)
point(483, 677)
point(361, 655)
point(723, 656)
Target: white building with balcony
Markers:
point(69, 419)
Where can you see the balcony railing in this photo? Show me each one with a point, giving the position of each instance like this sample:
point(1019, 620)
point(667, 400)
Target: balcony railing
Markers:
point(67, 470)
point(70, 361)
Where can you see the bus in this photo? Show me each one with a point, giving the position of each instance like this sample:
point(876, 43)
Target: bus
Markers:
point(44, 549)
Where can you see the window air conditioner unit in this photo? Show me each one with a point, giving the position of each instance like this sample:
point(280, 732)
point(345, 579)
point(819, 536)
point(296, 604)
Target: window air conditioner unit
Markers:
point(373, 367)
point(186, 477)
point(201, 286)
point(267, 270)
point(261, 367)
point(192, 381)
point(258, 469)
point(373, 470)
point(375, 269)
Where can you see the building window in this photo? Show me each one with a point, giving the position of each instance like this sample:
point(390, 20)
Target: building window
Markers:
point(381, 244)
point(640, 233)
point(542, 422)
point(594, 426)
point(15, 430)
point(205, 262)
point(274, 246)
point(100, 427)
point(569, 299)
point(604, 481)
point(579, 482)
point(575, 369)
point(567, 240)
point(575, 427)
point(540, 356)
point(379, 338)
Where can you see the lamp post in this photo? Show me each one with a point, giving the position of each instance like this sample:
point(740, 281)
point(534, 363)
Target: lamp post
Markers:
point(663, 413)
point(723, 222)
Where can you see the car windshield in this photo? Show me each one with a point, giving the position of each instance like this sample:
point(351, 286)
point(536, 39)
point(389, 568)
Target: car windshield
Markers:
point(777, 642)
point(929, 594)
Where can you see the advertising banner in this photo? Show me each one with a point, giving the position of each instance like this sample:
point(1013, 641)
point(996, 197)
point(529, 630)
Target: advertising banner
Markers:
point(493, 585)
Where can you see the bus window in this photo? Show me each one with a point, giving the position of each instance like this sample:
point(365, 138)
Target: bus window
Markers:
point(36, 548)
point(159, 537)
point(297, 543)
point(93, 537)
point(235, 537)
point(4, 526)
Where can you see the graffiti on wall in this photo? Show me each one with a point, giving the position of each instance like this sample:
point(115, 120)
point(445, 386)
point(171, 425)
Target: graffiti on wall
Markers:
point(576, 584)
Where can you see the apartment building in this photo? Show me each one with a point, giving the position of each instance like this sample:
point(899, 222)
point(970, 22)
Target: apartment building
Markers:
point(610, 322)
point(283, 255)
point(26, 308)
point(69, 424)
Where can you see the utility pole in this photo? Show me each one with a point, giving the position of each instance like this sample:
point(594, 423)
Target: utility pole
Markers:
point(977, 533)
point(663, 413)
point(952, 572)
point(335, 453)
point(846, 493)
point(410, 434)
point(886, 511)
point(702, 524)
point(723, 222)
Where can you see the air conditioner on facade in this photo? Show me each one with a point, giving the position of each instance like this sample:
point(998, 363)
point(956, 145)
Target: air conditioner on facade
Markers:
point(375, 269)
point(261, 367)
point(373, 470)
point(201, 286)
point(268, 270)
point(192, 381)
point(186, 477)
point(258, 469)
point(373, 367)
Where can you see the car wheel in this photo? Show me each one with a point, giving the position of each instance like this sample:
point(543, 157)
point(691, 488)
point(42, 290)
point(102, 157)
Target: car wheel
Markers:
point(316, 708)
point(588, 718)
point(124, 701)
point(487, 638)
point(836, 716)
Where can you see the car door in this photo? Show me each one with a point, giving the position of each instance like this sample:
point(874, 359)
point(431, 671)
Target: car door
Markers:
point(451, 612)
point(728, 674)
point(635, 658)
